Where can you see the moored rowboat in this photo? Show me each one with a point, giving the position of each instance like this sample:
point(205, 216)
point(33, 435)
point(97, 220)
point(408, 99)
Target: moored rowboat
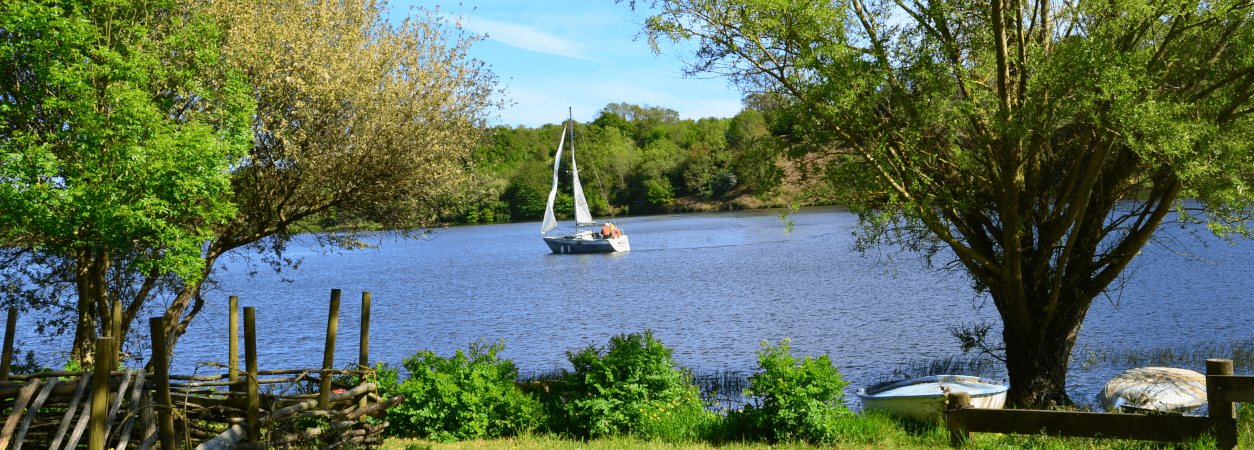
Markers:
point(924, 398)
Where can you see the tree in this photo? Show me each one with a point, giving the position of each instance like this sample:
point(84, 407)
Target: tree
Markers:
point(355, 116)
point(118, 128)
point(1042, 142)
point(355, 119)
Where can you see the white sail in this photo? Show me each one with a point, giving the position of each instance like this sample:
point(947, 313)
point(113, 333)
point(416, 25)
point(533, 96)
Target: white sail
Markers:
point(550, 222)
point(583, 218)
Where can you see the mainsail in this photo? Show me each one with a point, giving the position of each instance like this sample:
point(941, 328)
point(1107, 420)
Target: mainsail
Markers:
point(583, 218)
point(550, 222)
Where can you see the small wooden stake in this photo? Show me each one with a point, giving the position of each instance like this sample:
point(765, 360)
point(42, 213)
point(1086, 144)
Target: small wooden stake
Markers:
point(9, 329)
point(115, 328)
point(363, 347)
point(161, 370)
point(233, 344)
point(250, 360)
point(328, 355)
point(100, 395)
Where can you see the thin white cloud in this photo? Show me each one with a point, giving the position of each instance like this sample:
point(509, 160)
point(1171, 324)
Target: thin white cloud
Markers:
point(526, 37)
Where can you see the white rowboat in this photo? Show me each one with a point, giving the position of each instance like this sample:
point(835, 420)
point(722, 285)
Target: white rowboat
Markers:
point(924, 398)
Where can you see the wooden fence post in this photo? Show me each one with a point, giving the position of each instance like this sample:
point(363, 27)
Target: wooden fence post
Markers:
point(1219, 405)
point(328, 355)
point(233, 344)
point(250, 360)
point(100, 395)
point(958, 433)
point(161, 371)
point(115, 329)
point(363, 346)
point(9, 329)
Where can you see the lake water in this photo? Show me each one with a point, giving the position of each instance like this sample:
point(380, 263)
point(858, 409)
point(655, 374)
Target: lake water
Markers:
point(712, 286)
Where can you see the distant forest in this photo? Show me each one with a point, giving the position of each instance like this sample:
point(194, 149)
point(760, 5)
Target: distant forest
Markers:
point(632, 160)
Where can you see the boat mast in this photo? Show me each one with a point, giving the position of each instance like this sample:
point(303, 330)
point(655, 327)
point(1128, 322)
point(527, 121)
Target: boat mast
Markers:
point(570, 120)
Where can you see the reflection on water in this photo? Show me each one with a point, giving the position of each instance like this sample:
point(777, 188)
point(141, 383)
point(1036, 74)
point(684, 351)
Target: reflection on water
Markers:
point(711, 286)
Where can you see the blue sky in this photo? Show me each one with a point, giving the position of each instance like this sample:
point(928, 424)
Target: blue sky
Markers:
point(553, 54)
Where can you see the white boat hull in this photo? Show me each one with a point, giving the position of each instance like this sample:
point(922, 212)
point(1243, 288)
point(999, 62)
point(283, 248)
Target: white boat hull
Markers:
point(1156, 389)
point(924, 398)
point(587, 242)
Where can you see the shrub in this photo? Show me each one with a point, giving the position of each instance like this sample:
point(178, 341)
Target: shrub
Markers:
point(631, 387)
point(795, 399)
point(469, 395)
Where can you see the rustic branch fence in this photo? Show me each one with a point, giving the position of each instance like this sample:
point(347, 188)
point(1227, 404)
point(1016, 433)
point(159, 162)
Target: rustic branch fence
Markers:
point(1223, 389)
point(322, 408)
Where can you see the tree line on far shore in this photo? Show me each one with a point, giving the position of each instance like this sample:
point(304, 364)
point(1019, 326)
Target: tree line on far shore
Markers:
point(632, 160)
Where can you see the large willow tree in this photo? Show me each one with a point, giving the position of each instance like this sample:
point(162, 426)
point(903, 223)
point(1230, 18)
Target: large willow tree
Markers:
point(1043, 142)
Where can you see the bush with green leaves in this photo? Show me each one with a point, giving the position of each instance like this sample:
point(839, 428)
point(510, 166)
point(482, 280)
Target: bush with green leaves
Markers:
point(632, 387)
point(469, 395)
point(795, 399)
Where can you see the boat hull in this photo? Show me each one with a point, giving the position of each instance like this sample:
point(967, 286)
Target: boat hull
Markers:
point(587, 243)
point(1154, 389)
point(924, 398)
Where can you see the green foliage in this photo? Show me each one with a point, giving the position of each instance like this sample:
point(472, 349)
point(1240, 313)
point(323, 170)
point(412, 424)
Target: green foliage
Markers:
point(119, 129)
point(1011, 142)
point(659, 191)
point(528, 190)
point(469, 395)
point(633, 386)
point(625, 154)
point(797, 399)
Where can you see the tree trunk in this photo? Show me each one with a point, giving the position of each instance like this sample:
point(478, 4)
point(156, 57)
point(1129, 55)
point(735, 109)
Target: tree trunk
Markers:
point(1037, 357)
point(1037, 371)
point(91, 272)
point(177, 315)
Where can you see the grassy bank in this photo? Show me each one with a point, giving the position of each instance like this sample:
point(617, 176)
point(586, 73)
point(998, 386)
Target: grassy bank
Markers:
point(865, 432)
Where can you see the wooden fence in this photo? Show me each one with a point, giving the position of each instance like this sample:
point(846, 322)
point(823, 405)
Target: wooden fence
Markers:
point(1223, 390)
point(248, 409)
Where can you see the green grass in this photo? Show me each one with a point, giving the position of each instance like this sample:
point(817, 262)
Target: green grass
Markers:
point(875, 431)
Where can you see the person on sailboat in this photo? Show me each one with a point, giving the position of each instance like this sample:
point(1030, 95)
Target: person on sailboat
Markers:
point(611, 231)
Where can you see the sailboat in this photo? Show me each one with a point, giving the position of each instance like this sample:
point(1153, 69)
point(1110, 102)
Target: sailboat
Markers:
point(587, 238)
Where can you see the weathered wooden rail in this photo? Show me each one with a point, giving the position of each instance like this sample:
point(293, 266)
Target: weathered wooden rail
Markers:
point(322, 408)
point(1223, 390)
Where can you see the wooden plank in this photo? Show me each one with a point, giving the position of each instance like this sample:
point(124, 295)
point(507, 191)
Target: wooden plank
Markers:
point(328, 353)
point(34, 411)
point(136, 393)
point(161, 370)
point(1235, 388)
point(1087, 424)
point(149, 441)
point(253, 413)
point(62, 389)
point(19, 406)
point(10, 328)
point(117, 401)
point(98, 429)
point(147, 418)
point(79, 429)
point(68, 418)
point(233, 343)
